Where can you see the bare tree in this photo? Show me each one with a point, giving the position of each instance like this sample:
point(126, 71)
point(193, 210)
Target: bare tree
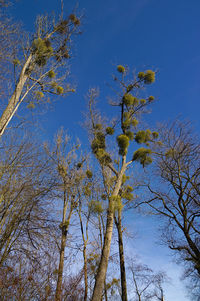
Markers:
point(68, 177)
point(175, 194)
point(32, 183)
point(147, 284)
point(25, 280)
point(86, 191)
point(24, 189)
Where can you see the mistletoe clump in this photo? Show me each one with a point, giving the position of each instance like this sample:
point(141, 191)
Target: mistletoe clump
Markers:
point(142, 155)
point(121, 69)
point(123, 143)
point(128, 99)
point(127, 193)
point(117, 202)
point(130, 135)
point(54, 85)
point(96, 207)
point(79, 165)
point(51, 74)
point(134, 122)
point(62, 27)
point(74, 19)
point(98, 142)
point(149, 77)
point(155, 135)
point(98, 126)
point(125, 178)
point(151, 98)
point(59, 90)
point(89, 174)
point(109, 130)
point(103, 157)
point(129, 88)
point(143, 136)
point(142, 101)
point(42, 50)
point(98, 146)
point(141, 75)
point(126, 123)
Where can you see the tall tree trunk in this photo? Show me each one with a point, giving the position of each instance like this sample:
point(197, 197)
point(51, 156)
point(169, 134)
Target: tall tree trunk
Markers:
point(61, 266)
point(118, 224)
point(65, 226)
point(15, 100)
point(101, 274)
point(85, 273)
point(102, 269)
point(85, 241)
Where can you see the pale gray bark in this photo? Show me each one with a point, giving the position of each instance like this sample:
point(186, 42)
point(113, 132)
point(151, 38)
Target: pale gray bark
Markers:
point(101, 273)
point(16, 98)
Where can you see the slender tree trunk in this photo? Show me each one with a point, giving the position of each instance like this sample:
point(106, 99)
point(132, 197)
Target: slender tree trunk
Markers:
point(65, 226)
point(15, 100)
point(61, 266)
point(101, 274)
point(85, 273)
point(118, 224)
point(102, 269)
point(85, 241)
point(101, 242)
point(136, 287)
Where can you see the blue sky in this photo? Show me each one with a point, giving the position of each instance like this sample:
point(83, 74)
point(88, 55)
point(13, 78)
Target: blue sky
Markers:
point(144, 34)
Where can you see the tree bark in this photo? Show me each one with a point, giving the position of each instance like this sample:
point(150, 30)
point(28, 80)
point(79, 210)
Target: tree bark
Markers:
point(102, 269)
point(101, 274)
point(118, 224)
point(85, 272)
point(61, 266)
point(15, 100)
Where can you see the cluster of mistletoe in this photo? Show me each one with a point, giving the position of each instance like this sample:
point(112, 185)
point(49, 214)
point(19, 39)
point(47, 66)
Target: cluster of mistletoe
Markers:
point(99, 143)
point(50, 51)
point(131, 106)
